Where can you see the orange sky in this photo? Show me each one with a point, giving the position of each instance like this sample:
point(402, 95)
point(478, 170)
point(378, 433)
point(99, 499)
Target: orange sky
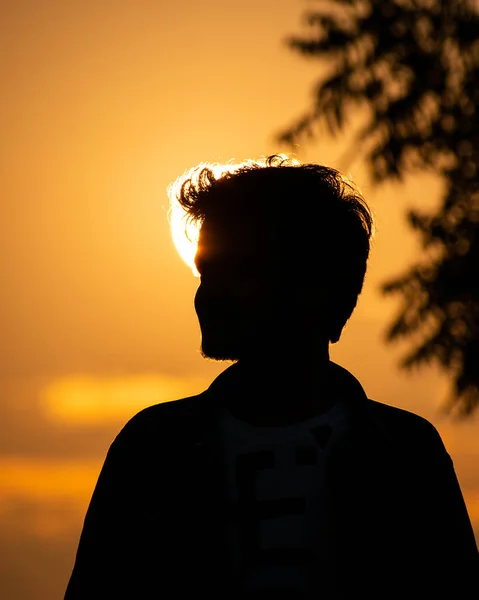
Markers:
point(103, 104)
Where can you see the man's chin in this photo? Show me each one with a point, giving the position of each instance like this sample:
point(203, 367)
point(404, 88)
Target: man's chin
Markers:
point(220, 343)
point(218, 352)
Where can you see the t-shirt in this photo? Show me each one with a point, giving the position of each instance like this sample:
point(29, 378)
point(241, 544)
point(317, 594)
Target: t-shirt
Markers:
point(277, 497)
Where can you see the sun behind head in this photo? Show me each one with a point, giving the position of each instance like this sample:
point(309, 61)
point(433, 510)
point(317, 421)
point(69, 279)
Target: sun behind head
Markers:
point(185, 229)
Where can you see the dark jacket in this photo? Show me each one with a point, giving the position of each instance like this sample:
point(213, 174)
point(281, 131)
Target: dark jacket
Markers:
point(153, 527)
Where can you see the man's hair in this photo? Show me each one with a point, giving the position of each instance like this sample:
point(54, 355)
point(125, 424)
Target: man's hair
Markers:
point(319, 217)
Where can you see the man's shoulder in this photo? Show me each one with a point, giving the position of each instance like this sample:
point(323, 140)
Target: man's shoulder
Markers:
point(180, 407)
point(395, 414)
point(190, 406)
point(163, 419)
point(403, 423)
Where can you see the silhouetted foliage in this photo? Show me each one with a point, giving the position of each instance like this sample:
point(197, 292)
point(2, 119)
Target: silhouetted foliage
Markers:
point(415, 65)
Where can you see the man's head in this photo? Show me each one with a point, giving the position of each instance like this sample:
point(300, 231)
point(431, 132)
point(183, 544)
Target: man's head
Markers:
point(282, 255)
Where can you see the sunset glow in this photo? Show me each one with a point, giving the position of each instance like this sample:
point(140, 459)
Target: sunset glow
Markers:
point(185, 236)
point(43, 480)
point(90, 400)
point(184, 232)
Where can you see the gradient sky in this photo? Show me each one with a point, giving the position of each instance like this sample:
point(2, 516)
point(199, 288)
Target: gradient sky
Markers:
point(104, 103)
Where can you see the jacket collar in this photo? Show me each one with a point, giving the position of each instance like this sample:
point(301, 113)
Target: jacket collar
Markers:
point(341, 382)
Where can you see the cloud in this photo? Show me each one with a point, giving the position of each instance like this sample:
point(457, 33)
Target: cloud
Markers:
point(78, 415)
point(92, 400)
point(42, 507)
point(47, 480)
point(38, 542)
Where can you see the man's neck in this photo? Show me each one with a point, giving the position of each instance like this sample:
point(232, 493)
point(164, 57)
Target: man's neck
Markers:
point(281, 391)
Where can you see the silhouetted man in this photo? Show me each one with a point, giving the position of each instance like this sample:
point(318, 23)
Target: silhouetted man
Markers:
point(282, 479)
